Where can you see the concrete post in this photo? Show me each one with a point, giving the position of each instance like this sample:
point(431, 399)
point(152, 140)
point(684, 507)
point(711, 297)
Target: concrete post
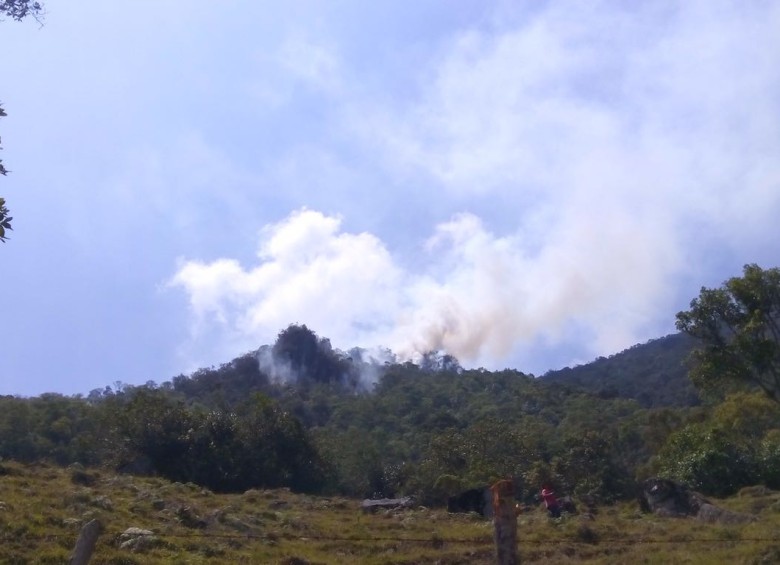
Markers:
point(85, 545)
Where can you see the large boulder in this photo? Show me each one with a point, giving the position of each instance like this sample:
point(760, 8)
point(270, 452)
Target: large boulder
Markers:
point(664, 497)
point(372, 505)
point(138, 540)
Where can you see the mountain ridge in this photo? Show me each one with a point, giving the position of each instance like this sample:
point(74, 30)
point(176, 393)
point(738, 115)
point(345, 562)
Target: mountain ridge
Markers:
point(654, 373)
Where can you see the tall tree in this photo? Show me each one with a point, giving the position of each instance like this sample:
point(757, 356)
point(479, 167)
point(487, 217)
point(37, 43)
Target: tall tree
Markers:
point(17, 10)
point(20, 9)
point(2, 168)
point(738, 326)
point(5, 219)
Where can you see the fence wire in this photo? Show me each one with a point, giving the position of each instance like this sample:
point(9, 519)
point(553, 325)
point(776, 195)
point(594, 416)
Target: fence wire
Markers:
point(429, 540)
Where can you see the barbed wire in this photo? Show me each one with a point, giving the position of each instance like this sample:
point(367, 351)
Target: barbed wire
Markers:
point(434, 539)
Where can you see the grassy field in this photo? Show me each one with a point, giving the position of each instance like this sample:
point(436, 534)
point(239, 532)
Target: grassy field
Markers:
point(42, 509)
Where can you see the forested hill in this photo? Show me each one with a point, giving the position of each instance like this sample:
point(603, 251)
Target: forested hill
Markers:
point(655, 374)
point(306, 416)
point(303, 415)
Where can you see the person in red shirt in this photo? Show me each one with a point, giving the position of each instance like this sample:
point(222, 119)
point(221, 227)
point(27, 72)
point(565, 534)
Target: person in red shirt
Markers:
point(551, 502)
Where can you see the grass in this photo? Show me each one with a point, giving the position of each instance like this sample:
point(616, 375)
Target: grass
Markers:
point(42, 509)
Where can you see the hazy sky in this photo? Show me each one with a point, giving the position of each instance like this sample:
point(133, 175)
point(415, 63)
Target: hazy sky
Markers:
point(522, 184)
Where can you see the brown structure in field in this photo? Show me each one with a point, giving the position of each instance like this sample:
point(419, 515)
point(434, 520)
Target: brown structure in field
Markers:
point(505, 523)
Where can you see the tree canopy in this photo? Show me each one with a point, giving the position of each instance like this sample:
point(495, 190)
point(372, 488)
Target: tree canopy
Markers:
point(20, 9)
point(5, 219)
point(297, 414)
point(17, 10)
point(738, 326)
point(3, 171)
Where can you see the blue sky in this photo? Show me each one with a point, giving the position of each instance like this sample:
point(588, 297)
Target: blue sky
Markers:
point(522, 184)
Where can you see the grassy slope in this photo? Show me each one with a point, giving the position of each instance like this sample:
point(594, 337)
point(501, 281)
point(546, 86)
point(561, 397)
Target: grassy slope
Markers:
point(42, 510)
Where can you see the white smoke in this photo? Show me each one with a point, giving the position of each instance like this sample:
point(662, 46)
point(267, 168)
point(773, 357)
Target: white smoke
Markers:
point(278, 371)
point(623, 150)
point(481, 299)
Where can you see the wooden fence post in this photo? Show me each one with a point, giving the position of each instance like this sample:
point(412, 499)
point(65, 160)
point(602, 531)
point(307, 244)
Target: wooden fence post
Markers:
point(85, 545)
point(505, 523)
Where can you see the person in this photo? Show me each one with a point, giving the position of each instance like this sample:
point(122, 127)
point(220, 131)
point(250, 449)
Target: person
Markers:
point(553, 508)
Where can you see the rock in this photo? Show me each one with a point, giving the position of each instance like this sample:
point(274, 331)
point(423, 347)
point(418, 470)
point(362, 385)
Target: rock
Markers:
point(133, 532)
point(664, 497)
point(103, 502)
point(138, 540)
point(715, 515)
point(81, 477)
point(754, 491)
point(189, 518)
point(369, 505)
point(71, 523)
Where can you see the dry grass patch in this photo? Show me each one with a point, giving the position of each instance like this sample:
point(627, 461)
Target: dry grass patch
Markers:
point(43, 507)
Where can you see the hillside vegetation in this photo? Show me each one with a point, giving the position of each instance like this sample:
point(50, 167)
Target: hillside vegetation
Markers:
point(42, 508)
point(314, 429)
point(301, 415)
point(655, 374)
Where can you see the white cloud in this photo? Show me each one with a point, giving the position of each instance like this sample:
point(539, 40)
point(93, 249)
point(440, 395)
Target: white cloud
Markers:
point(482, 298)
point(296, 61)
point(629, 145)
point(634, 144)
point(342, 285)
point(313, 63)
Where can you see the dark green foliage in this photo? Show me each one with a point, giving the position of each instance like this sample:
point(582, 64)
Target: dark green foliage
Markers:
point(301, 357)
point(299, 347)
point(296, 414)
point(420, 425)
point(769, 459)
point(228, 385)
point(738, 327)
point(277, 448)
point(17, 10)
point(414, 428)
point(654, 374)
point(3, 171)
point(5, 219)
point(706, 459)
point(152, 425)
point(735, 446)
point(358, 463)
point(150, 431)
point(257, 445)
point(588, 466)
point(20, 9)
point(51, 426)
point(417, 425)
